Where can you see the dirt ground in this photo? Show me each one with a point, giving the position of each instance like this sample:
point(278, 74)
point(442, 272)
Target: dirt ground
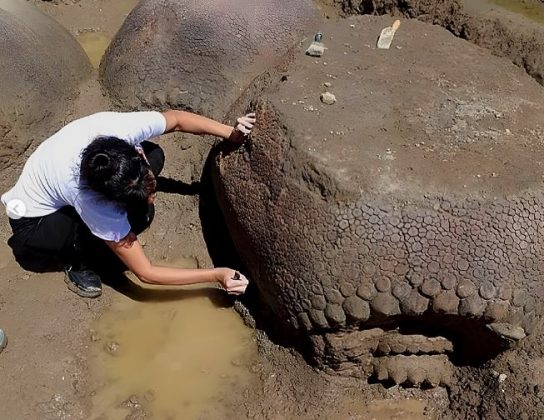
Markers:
point(45, 368)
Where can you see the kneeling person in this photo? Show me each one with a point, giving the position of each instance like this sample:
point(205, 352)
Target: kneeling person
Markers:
point(95, 180)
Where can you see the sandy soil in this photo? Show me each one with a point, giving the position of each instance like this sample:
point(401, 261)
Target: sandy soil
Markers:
point(45, 368)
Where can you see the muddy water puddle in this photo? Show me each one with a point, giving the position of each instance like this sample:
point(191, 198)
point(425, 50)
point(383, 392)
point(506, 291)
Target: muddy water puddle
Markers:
point(532, 10)
point(94, 44)
point(95, 31)
point(168, 360)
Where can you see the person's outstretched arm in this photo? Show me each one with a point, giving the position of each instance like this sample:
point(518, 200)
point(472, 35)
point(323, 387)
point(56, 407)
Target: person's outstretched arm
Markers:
point(188, 122)
point(130, 251)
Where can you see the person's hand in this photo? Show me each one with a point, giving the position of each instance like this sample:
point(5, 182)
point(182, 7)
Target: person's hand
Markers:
point(242, 128)
point(232, 281)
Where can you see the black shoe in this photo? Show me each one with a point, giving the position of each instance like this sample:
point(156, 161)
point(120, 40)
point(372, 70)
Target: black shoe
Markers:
point(84, 282)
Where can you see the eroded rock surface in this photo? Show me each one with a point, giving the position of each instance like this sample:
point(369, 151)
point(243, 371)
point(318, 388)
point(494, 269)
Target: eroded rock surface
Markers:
point(413, 203)
point(199, 55)
point(40, 69)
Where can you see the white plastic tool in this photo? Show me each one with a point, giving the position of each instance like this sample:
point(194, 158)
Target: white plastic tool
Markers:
point(386, 37)
point(3, 340)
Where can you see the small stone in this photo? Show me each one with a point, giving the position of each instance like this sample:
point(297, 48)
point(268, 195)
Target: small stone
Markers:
point(506, 330)
point(502, 378)
point(133, 402)
point(112, 348)
point(328, 98)
point(327, 84)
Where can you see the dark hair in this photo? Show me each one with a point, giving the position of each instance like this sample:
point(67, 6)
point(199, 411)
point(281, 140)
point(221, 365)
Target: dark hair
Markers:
point(115, 169)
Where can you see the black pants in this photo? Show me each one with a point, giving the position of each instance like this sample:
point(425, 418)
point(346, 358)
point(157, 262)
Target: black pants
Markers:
point(62, 238)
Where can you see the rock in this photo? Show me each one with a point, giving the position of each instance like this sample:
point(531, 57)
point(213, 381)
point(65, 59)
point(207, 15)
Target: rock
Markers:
point(328, 98)
point(506, 330)
point(133, 402)
point(112, 347)
point(94, 336)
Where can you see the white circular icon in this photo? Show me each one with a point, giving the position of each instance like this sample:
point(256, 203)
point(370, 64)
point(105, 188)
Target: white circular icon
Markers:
point(15, 209)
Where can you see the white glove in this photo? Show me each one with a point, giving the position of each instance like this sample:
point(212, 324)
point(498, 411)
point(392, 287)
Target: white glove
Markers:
point(245, 124)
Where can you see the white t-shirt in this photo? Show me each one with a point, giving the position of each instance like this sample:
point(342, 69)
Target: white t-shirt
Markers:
point(50, 177)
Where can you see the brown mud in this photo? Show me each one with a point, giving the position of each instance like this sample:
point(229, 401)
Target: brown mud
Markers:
point(50, 369)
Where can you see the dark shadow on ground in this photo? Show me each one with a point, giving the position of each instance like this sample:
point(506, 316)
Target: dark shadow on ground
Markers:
point(174, 186)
